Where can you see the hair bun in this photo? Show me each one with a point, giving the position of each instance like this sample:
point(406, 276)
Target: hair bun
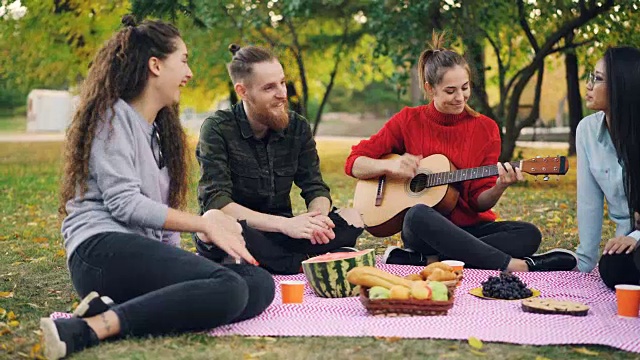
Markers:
point(234, 48)
point(129, 20)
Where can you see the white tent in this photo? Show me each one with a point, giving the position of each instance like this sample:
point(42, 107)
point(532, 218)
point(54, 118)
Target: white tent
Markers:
point(49, 110)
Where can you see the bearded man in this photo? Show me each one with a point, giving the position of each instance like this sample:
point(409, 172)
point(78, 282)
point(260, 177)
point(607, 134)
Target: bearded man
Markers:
point(251, 154)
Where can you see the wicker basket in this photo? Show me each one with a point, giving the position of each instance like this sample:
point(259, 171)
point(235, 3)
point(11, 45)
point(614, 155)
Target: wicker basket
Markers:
point(410, 307)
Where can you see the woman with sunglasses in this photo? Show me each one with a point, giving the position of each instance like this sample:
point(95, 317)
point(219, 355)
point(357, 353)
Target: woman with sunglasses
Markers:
point(608, 148)
point(125, 177)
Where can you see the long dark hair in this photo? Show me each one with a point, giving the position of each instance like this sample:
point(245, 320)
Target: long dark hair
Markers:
point(622, 66)
point(120, 70)
point(434, 62)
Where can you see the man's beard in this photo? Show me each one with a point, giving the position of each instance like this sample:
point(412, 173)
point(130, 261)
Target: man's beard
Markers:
point(266, 116)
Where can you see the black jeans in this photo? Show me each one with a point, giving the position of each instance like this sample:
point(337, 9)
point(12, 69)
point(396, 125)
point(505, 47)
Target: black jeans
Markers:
point(620, 269)
point(281, 254)
point(489, 245)
point(160, 289)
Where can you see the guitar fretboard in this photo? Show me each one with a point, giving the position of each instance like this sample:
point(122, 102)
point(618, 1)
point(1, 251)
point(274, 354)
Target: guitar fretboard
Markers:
point(422, 181)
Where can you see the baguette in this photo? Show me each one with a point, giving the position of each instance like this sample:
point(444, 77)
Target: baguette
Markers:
point(370, 276)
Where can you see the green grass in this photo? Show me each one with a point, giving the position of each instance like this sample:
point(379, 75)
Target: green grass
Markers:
point(14, 123)
point(32, 267)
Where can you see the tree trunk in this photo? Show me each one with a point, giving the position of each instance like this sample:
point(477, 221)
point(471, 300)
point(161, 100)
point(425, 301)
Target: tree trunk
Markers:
point(474, 47)
point(416, 87)
point(573, 92)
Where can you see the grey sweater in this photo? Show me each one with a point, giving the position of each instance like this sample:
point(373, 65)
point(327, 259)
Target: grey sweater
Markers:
point(127, 192)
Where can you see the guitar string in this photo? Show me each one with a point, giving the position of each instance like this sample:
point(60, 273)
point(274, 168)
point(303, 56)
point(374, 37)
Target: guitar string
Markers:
point(423, 181)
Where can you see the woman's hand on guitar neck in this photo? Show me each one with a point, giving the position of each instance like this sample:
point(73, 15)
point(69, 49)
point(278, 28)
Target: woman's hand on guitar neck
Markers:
point(507, 175)
point(403, 167)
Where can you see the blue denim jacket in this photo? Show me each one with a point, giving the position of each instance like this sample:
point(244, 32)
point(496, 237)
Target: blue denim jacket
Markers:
point(599, 178)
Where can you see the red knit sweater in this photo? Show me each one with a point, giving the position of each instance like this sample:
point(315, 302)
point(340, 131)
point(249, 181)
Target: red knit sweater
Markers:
point(466, 140)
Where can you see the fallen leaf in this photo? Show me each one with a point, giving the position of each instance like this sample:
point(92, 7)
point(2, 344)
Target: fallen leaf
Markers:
point(476, 352)
point(11, 316)
point(19, 340)
point(36, 350)
point(542, 358)
point(14, 323)
point(41, 240)
point(563, 206)
point(475, 343)
point(4, 330)
point(585, 351)
point(254, 355)
point(6, 294)
point(2, 238)
point(3, 312)
point(388, 339)
point(61, 253)
point(32, 224)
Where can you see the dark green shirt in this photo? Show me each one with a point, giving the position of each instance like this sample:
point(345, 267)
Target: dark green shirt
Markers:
point(237, 167)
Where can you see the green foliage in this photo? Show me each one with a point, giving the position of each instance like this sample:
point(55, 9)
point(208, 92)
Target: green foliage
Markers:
point(52, 45)
point(378, 98)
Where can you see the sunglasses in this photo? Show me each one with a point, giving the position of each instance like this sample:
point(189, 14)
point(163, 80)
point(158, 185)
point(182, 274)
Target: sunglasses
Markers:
point(155, 143)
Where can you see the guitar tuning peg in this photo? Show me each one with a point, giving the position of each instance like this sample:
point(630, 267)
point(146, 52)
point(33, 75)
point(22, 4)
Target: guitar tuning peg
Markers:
point(546, 178)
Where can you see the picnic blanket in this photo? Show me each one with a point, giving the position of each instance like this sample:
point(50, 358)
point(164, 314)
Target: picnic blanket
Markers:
point(487, 320)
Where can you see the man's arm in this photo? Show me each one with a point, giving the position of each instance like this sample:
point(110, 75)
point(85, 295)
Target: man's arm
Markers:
point(308, 178)
point(320, 204)
point(215, 185)
point(255, 219)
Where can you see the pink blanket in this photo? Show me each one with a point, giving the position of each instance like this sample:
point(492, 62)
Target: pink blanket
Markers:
point(487, 320)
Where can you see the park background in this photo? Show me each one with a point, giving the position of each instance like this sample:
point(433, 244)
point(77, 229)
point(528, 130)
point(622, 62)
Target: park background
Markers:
point(350, 65)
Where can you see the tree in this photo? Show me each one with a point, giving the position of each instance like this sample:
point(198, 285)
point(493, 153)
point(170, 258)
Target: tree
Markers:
point(57, 57)
point(619, 28)
point(574, 100)
point(520, 50)
point(298, 30)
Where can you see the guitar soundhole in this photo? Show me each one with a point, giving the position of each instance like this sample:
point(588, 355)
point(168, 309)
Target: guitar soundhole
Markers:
point(418, 183)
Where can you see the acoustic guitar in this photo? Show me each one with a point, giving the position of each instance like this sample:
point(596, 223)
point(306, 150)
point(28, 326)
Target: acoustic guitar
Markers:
point(383, 202)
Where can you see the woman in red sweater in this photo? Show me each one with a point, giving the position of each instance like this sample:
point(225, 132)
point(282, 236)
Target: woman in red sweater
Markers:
point(447, 125)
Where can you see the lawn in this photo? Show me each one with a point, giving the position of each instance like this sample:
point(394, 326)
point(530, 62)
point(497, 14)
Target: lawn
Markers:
point(14, 123)
point(34, 281)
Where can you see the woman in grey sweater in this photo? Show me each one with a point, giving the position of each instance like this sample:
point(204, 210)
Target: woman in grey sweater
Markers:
point(125, 176)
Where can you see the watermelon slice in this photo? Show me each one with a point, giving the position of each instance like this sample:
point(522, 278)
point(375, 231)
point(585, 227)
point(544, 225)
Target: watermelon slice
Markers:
point(327, 274)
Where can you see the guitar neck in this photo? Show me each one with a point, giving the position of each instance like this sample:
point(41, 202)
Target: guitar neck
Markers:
point(450, 177)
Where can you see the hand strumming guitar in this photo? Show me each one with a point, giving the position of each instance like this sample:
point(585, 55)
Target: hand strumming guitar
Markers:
point(403, 167)
point(507, 175)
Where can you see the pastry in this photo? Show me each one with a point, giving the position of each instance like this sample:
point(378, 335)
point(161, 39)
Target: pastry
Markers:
point(552, 306)
point(436, 265)
point(442, 275)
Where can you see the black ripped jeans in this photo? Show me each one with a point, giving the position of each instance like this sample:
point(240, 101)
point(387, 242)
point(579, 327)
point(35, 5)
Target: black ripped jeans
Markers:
point(160, 289)
point(489, 245)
